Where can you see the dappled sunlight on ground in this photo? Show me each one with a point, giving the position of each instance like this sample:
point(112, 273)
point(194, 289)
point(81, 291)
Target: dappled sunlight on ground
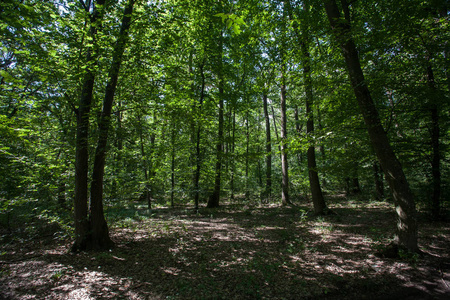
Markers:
point(233, 253)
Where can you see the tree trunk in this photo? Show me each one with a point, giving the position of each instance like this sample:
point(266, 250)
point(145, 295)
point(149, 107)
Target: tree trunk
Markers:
point(347, 186)
point(233, 148)
point(214, 199)
point(284, 158)
point(82, 137)
point(268, 189)
point(197, 146)
point(314, 182)
point(99, 229)
point(406, 235)
point(247, 154)
point(356, 187)
point(320, 207)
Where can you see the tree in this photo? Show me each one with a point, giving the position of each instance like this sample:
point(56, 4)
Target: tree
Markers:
point(96, 235)
point(214, 199)
point(406, 236)
point(197, 138)
point(283, 141)
point(82, 136)
point(304, 42)
point(268, 191)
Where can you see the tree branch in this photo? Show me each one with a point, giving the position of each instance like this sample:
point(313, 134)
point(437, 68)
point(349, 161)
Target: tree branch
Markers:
point(84, 5)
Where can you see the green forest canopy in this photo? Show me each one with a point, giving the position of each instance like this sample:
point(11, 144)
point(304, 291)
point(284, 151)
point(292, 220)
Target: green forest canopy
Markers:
point(215, 99)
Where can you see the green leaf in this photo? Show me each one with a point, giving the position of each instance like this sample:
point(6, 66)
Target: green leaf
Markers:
point(221, 15)
point(237, 29)
point(52, 53)
point(6, 76)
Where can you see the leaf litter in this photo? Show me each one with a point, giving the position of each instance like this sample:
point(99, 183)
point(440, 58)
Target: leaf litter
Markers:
point(237, 252)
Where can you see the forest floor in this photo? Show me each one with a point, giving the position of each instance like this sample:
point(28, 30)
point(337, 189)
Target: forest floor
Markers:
point(234, 252)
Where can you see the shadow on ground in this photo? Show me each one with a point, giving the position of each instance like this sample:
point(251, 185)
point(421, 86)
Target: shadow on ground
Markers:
point(230, 253)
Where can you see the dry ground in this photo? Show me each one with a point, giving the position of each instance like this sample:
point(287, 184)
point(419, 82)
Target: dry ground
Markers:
point(252, 252)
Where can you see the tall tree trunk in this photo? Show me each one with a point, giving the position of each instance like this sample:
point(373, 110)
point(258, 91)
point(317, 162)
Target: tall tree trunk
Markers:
point(214, 199)
point(197, 146)
point(82, 136)
point(233, 148)
point(284, 158)
point(406, 235)
point(99, 229)
point(268, 189)
point(314, 182)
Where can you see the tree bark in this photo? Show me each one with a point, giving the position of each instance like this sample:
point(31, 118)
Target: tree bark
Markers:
point(406, 235)
point(82, 137)
point(356, 187)
point(268, 189)
point(214, 199)
point(320, 207)
point(233, 148)
point(314, 182)
point(99, 229)
point(284, 158)
point(197, 146)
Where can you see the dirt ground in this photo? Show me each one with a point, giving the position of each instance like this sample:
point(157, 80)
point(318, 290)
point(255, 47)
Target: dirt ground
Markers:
point(235, 252)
